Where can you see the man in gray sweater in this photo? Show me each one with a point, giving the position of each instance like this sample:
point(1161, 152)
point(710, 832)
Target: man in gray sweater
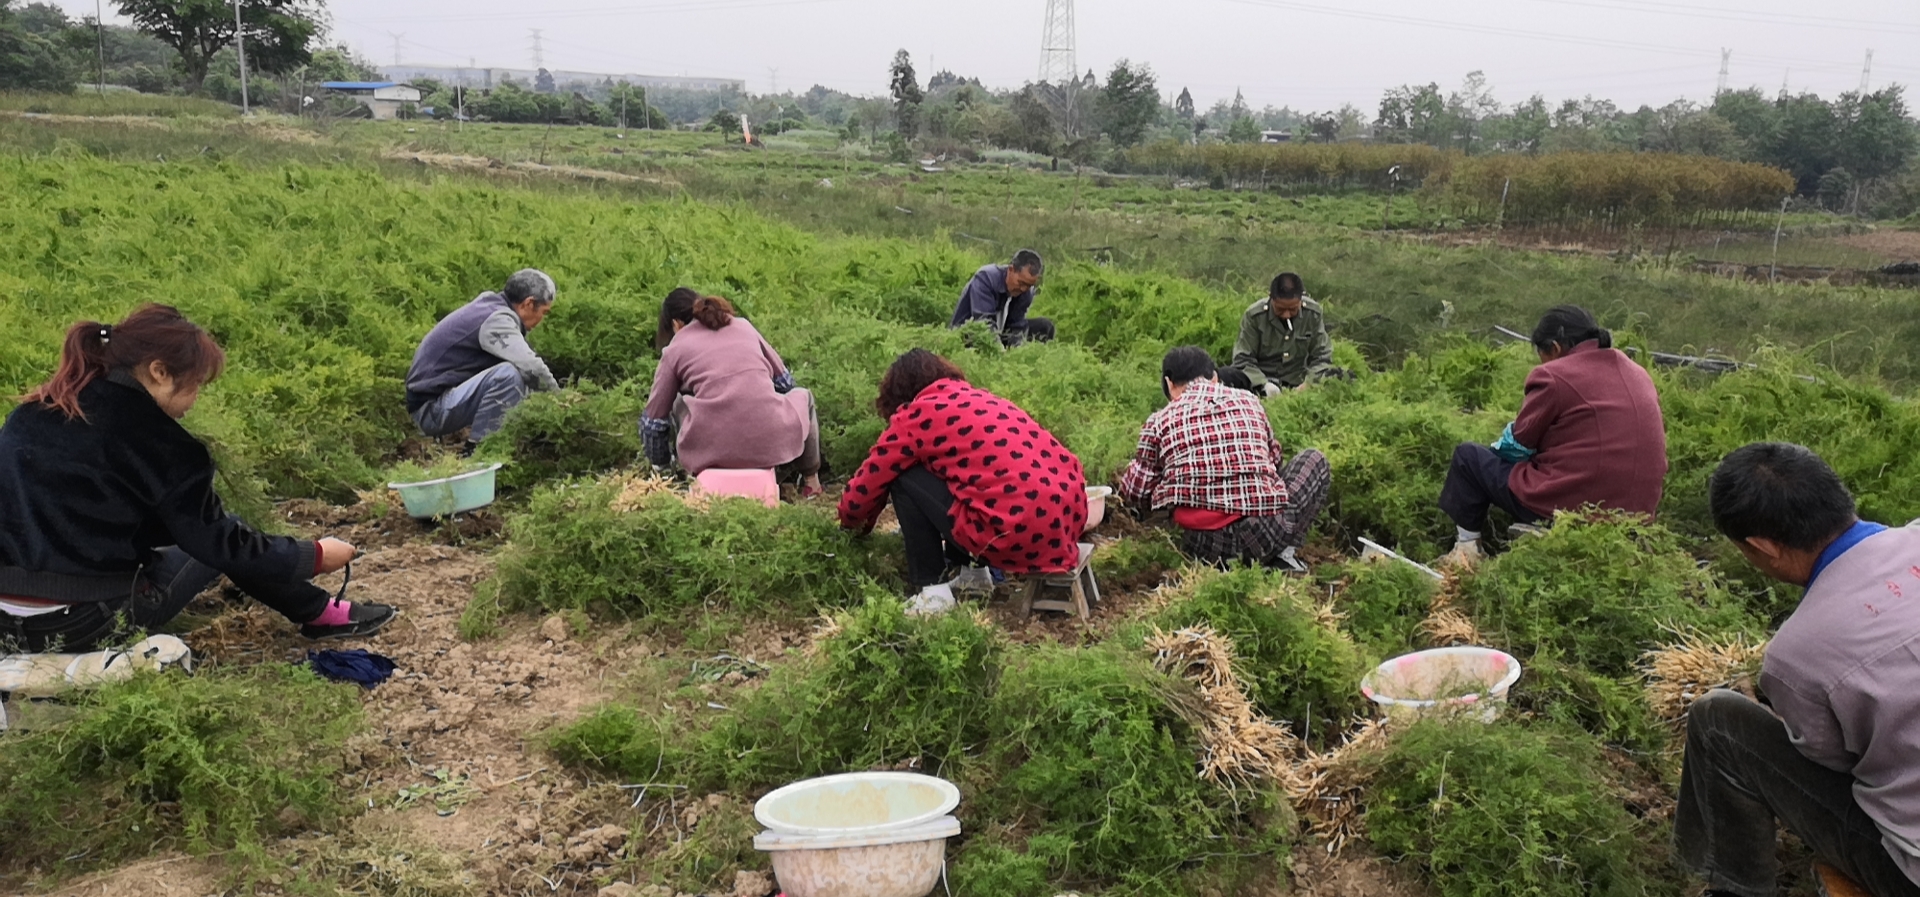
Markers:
point(1836, 758)
point(475, 365)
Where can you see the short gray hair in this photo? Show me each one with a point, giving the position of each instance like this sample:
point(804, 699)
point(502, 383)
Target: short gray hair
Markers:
point(529, 283)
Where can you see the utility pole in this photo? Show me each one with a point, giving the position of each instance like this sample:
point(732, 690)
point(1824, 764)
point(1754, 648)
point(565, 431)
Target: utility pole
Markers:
point(396, 47)
point(100, 43)
point(1725, 54)
point(539, 60)
point(1866, 73)
point(1784, 74)
point(1057, 65)
point(773, 80)
point(240, 46)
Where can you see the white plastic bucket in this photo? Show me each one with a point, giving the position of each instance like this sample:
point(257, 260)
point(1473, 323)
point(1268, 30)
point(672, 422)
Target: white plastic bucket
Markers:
point(1465, 681)
point(859, 834)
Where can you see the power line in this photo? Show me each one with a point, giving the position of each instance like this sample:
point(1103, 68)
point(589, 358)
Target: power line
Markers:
point(1728, 15)
point(669, 7)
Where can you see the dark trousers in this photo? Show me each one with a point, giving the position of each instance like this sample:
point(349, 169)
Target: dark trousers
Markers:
point(163, 589)
point(1037, 330)
point(1740, 774)
point(922, 501)
point(1478, 481)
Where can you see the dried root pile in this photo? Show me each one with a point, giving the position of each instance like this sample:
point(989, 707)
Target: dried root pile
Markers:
point(1243, 747)
point(1446, 624)
point(636, 488)
point(1679, 673)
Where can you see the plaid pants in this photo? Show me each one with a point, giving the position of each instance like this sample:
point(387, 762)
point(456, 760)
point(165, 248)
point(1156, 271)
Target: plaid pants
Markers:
point(1258, 539)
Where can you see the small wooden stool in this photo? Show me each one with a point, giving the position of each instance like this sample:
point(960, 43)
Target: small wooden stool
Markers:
point(1834, 883)
point(1083, 591)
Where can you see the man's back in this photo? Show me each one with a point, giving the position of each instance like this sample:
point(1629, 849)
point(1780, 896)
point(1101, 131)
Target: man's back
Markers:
point(1844, 673)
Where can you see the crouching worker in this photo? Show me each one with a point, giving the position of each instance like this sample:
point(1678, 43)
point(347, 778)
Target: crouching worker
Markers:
point(475, 365)
point(108, 518)
point(1210, 455)
point(1837, 757)
point(727, 394)
point(1001, 295)
point(1589, 432)
point(970, 476)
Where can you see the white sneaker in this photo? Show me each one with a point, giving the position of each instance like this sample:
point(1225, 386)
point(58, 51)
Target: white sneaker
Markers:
point(972, 579)
point(934, 599)
point(1464, 556)
point(1290, 563)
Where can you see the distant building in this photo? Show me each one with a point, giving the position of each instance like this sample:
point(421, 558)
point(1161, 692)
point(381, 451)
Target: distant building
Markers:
point(384, 99)
point(486, 78)
point(1276, 136)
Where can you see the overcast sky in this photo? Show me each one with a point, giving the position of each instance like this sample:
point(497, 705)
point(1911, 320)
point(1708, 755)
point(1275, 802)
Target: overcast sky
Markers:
point(1310, 55)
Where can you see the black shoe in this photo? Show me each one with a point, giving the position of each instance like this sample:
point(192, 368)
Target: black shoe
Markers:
point(467, 448)
point(362, 619)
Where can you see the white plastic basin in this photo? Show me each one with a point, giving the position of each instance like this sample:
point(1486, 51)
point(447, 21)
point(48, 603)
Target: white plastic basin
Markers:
point(1097, 504)
point(1464, 681)
point(860, 834)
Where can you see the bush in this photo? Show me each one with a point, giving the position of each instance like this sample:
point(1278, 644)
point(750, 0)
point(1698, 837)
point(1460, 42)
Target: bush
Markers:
point(1384, 603)
point(1613, 709)
point(986, 866)
point(1501, 809)
point(1296, 667)
point(571, 549)
point(1597, 590)
point(224, 760)
point(1101, 756)
point(580, 430)
point(886, 688)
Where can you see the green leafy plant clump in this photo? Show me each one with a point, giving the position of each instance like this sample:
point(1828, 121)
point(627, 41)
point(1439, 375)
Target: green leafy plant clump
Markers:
point(1297, 667)
point(1597, 590)
point(571, 549)
point(224, 760)
point(1384, 603)
point(1500, 809)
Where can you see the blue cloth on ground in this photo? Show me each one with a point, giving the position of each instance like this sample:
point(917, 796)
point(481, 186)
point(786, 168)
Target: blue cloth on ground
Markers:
point(358, 665)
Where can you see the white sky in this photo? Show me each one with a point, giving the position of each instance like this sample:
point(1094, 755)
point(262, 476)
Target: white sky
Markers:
point(1308, 54)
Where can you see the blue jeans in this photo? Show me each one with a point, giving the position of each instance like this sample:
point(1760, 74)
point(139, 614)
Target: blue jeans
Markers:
point(482, 403)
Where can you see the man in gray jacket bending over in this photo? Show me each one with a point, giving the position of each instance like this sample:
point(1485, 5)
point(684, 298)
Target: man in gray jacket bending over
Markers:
point(1836, 755)
point(475, 365)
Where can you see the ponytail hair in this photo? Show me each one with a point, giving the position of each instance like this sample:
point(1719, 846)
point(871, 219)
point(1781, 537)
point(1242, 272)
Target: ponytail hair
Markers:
point(1567, 326)
point(684, 306)
point(152, 333)
point(713, 312)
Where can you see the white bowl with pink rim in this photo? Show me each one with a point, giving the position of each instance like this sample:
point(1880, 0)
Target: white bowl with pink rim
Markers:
point(1467, 682)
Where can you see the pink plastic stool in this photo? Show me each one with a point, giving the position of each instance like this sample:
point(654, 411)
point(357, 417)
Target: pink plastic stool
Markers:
point(755, 484)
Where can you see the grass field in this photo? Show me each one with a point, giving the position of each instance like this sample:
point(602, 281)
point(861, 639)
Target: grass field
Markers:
point(594, 631)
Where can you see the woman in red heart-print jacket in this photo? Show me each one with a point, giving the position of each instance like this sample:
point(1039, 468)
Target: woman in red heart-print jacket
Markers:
point(969, 473)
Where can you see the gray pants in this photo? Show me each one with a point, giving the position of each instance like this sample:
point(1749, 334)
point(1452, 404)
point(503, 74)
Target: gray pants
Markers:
point(482, 402)
point(1740, 774)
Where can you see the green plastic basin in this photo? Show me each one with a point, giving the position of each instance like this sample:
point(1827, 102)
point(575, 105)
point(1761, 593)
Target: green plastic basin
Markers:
point(448, 495)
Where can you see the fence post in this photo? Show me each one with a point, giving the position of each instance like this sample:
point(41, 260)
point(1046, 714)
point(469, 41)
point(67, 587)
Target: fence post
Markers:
point(1773, 268)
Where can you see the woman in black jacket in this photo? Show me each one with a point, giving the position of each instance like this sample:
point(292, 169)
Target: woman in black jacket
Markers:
point(108, 518)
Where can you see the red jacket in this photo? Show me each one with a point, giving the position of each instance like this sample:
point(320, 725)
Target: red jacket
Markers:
point(1019, 497)
point(1593, 420)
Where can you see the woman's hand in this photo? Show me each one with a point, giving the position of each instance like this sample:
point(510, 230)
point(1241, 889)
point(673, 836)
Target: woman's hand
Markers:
point(334, 554)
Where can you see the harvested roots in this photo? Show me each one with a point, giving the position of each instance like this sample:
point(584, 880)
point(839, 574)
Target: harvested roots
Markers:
point(636, 488)
point(1677, 674)
point(1448, 626)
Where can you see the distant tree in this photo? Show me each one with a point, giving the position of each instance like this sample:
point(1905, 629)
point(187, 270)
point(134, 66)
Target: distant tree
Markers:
point(874, 113)
point(29, 61)
point(1413, 114)
point(1755, 119)
point(944, 78)
point(725, 122)
point(277, 32)
point(1030, 125)
point(1875, 138)
point(905, 88)
point(1466, 108)
point(638, 113)
point(335, 64)
point(1353, 122)
point(1243, 130)
point(1129, 103)
point(543, 82)
point(1183, 106)
point(1323, 126)
point(1524, 129)
point(1803, 143)
point(42, 19)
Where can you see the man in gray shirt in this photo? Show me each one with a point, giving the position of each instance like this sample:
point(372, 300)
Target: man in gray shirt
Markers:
point(1836, 757)
point(475, 365)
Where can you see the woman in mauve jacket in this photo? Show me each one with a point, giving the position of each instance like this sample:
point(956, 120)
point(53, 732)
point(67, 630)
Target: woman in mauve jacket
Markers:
point(108, 518)
point(970, 476)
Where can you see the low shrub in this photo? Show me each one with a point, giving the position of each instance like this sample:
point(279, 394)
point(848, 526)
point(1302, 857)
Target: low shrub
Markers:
point(1384, 604)
point(989, 865)
point(571, 549)
point(1597, 590)
point(223, 760)
point(1500, 809)
point(580, 430)
point(1613, 709)
point(885, 689)
point(1296, 666)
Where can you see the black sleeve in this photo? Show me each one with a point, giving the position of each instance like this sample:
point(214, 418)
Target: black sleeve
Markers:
point(202, 528)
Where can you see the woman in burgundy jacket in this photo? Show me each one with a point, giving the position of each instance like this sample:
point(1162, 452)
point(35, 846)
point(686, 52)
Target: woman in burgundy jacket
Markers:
point(1589, 432)
point(970, 476)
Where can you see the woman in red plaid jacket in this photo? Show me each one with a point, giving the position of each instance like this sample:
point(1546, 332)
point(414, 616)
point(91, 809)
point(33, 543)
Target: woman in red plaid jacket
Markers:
point(1210, 455)
point(970, 476)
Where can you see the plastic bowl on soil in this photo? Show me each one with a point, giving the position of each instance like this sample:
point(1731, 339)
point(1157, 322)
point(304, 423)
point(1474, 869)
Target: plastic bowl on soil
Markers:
point(860, 834)
point(1468, 682)
point(448, 495)
point(1097, 504)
